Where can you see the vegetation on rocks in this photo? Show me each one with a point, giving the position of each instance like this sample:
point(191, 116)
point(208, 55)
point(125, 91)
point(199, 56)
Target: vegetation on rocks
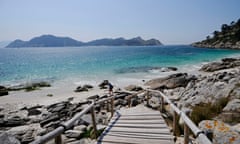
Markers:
point(228, 37)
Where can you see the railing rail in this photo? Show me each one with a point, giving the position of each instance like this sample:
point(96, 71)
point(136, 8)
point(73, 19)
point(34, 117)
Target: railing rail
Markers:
point(188, 123)
point(56, 133)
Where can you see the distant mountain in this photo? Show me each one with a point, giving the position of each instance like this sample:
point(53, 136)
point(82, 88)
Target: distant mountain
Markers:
point(46, 41)
point(53, 41)
point(138, 41)
point(228, 37)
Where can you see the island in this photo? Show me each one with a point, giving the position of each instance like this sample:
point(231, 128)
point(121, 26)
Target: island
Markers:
point(228, 37)
point(55, 41)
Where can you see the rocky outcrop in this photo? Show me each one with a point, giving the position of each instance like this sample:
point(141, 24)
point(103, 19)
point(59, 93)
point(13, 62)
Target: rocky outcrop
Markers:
point(83, 88)
point(171, 81)
point(133, 88)
point(210, 89)
point(224, 64)
point(30, 86)
point(221, 133)
point(3, 91)
point(219, 44)
point(16, 118)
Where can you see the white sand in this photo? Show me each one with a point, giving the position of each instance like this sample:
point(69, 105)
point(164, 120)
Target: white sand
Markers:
point(19, 99)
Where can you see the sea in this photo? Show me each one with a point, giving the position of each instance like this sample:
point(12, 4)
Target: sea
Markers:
point(93, 64)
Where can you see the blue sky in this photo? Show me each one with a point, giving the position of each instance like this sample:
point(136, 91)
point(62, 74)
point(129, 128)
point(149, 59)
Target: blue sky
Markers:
point(170, 21)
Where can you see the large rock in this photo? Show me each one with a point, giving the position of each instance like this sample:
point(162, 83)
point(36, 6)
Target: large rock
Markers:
point(83, 88)
point(231, 112)
point(210, 89)
point(26, 133)
point(103, 85)
point(57, 107)
point(224, 64)
point(6, 138)
point(34, 110)
point(133, 88)
point(171, 81)
point(29, 86)
point(15, 118)
point(222, 133)
point(3, 91)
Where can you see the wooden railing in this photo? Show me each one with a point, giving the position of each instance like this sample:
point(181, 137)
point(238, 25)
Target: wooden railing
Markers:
point(56, 133)
point(188, 124)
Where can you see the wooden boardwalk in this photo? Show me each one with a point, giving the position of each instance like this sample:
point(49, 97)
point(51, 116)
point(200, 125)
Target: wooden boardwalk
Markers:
point(136, 125)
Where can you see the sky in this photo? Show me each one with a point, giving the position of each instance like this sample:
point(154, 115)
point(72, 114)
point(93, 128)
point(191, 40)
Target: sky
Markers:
point(170, 21)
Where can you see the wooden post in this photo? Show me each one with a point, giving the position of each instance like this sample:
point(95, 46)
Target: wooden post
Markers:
point(186, 134)
point(107, 106)
point(175, 123)
point(162, 104)
point(58, 139)
point(129, 102)
point(112, 106)
point(94, 121)
point(147, 98)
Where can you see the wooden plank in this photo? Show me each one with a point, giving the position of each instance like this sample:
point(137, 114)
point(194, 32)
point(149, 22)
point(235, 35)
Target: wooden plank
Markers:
point(141, 135)
point(137, 130)
point(133, 140)
point(140, 118)
point(147, 126)
point(139, 114)
point(138, 122)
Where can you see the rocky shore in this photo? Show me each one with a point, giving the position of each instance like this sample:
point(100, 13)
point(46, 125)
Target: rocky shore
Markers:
point(212, 98)
point(221, 45)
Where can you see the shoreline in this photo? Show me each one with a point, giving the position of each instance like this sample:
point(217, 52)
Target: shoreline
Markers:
point(64, 89)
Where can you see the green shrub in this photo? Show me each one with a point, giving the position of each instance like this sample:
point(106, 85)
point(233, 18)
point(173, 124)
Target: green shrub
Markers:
point(90, 133)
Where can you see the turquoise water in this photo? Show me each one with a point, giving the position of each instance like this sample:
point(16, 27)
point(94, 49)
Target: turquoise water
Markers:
point(96, 63)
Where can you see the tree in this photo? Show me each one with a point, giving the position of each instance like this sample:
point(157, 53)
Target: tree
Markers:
point(224, 27)
point(215, 33)
point(208, 37)
point(232, 23)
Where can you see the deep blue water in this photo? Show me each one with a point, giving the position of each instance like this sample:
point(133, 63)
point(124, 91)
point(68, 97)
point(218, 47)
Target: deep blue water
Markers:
point(83, 63)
